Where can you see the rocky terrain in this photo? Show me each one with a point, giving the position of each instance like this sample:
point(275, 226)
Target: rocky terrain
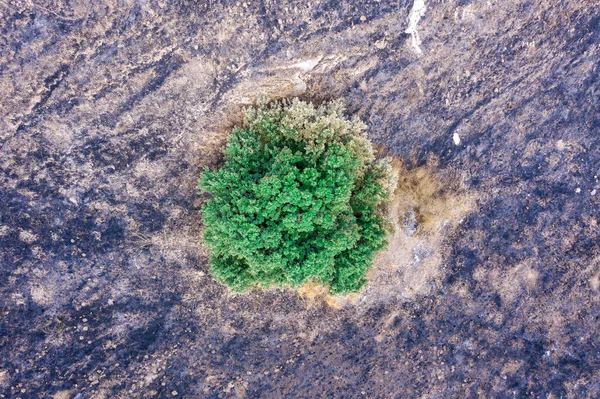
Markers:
point(110, 109)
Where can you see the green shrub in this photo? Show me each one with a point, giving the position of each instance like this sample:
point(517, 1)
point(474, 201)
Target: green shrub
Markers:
point(297, 200)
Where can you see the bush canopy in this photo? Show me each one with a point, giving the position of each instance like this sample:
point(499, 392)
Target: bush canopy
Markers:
point(297, 200)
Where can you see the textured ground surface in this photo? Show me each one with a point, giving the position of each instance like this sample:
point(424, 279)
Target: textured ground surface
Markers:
point(109, 111)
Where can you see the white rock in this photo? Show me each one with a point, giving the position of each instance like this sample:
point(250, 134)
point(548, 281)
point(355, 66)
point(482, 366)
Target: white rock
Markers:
point(417, 12)
point(456, 139)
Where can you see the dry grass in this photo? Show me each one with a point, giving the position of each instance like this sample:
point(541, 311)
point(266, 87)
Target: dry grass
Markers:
point(436, 199)
point(312, 291)
point(316, 293)
point(412, 262)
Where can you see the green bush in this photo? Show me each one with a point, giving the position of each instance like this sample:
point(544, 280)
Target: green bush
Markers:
point(297, 200)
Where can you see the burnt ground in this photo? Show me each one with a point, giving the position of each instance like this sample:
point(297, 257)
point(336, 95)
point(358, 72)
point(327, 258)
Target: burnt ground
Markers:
point(110, 110)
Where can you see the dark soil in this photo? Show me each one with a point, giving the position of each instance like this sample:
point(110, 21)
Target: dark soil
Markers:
point(110, 110)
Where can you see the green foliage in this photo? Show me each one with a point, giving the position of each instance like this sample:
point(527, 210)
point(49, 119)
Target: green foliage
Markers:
point(296, 200)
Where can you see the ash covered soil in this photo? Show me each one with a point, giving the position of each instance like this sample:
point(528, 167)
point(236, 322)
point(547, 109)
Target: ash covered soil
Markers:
point(110, 110)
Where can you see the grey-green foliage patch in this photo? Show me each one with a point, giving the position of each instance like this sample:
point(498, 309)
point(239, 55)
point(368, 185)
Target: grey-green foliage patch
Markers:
point(298, 199)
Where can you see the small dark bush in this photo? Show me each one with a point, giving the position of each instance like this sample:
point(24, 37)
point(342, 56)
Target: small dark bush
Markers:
point(296, 201)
